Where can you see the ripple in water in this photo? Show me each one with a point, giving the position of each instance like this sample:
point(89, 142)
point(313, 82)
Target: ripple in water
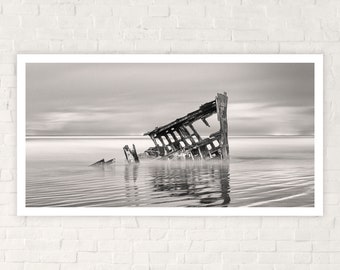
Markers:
point(262, 173)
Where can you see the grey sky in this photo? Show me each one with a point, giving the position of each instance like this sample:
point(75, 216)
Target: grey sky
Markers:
point(130, 99)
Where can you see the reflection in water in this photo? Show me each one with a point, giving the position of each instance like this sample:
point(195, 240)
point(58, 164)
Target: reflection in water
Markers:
point(264, 172)
point(206, 183)
point(131, 188)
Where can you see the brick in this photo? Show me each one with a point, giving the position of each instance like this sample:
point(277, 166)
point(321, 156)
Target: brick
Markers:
point(189, 46)
point(221, 245)
point(262, 47)
point(41, 266)
point(215, 267)
point(69, 234)
point(184, 267)
point(276, 258)
point(159, 11)
point(159, 22)
point(178, 34)
point(95, 234)
point(258, 266)
point(203, 258)
point(42, 244)
point(320, 258)
point(225, 47)
point(40, 1)
point(319, 12)
point(122, 257)
point(186, 246)
point(27, 233)
point(277, 11)
point(71, 22)
point(141, 258)
point(62, 9)
point(94, 257)
point(248, 12)
point(286, 35)
point(92, 222)
point(278, 234)
point(232, 23)
point(11, 266)
point(12, 244)
point(195, 22)
point(43, 21)
point(322, 35)
point(320, 234)
point(31, 45)
point(204, 234)
point(154, 222)
point(97, 10)
point(6, 45)
point(78, 245)
point(261, 246)
point(43, 221)
point(214, 34)
point(77, 266)
point(115, 46)
point(6, 175)
point(158, 234)
point(6, 69)
point(142, 34)
point(52, 34)
point(113, 23)
point(302, 258)
point(21, 9)
point(239, 257)
point(5, 116)
point(150, 246)
point(151, 46)
point(294, 246)
point(22, 256)
point(218, 12)
point(58, 256)
point(188, 11)
point(80, 46)
point(249, 35)
point(127, 11)
point(132, 234)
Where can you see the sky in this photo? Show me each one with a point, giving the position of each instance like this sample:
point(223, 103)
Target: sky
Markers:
point(131, 99)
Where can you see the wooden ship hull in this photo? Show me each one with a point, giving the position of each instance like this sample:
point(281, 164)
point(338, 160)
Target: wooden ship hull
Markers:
point(179, 140)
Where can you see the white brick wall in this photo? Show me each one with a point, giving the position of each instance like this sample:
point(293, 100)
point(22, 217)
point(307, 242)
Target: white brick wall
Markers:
point(169, 26)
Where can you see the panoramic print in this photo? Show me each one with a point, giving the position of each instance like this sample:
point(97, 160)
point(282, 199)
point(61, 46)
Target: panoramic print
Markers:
point(150, 135)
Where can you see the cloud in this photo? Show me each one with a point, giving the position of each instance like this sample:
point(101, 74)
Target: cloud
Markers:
point(127, 99)
point(58, 122)
point(270, 119)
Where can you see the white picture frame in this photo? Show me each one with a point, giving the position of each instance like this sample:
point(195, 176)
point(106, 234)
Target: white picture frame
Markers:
point(316, 59)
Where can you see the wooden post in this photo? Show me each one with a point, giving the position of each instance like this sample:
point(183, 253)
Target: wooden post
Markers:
point(153, 139)
point(221, 106)
point(195, 132)
point(187, 134)
point(206, 122)
point(170, 143)
point(183, 137)
point(131, 154)
point(159, 137)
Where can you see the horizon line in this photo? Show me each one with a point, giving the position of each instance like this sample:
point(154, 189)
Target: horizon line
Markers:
point(264, 135)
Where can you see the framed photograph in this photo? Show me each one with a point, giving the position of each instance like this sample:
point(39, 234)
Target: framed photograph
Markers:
point(170, 135)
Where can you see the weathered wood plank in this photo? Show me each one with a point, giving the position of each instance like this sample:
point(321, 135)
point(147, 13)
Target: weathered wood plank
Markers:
point(221, 105)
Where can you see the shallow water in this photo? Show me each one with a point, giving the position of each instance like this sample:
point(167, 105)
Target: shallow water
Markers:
point(263, 172)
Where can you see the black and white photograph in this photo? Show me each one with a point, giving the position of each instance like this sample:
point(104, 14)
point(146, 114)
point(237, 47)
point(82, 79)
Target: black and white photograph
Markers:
point(169, 135)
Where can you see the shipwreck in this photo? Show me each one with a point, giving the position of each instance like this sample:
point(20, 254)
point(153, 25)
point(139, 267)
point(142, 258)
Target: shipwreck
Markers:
point(180, 140)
